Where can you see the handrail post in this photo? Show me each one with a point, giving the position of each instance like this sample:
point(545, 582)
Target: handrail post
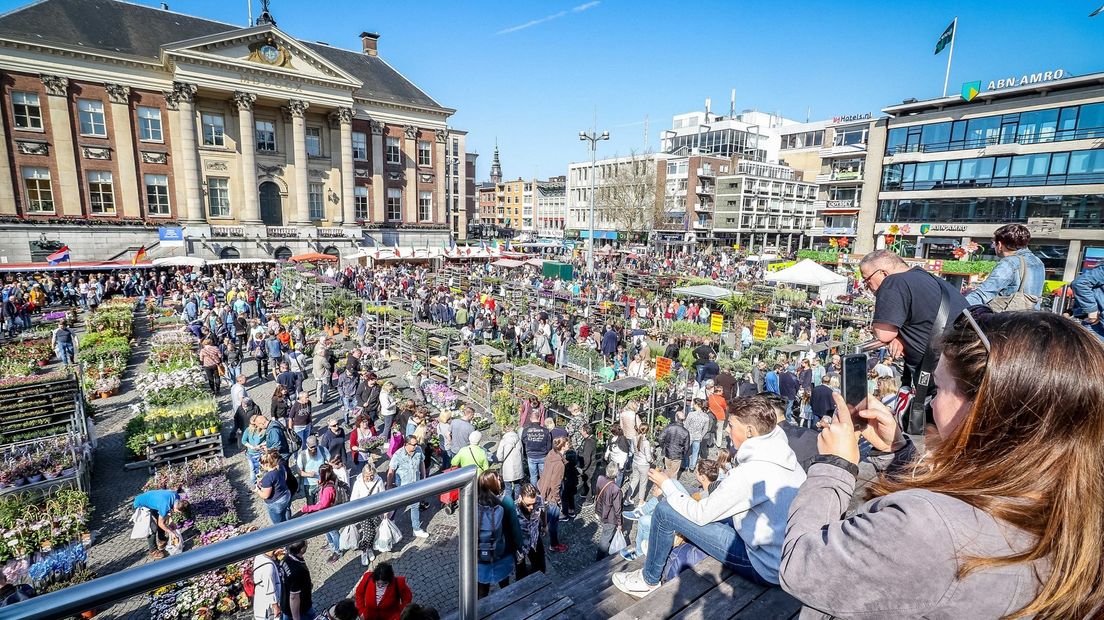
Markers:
point(469, 532)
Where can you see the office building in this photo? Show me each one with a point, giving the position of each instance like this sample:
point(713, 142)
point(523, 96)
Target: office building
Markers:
point(551, 207)
point(947, 171)
point(764, 208)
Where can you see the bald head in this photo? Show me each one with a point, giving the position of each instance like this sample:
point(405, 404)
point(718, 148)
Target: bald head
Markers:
point(882, 259)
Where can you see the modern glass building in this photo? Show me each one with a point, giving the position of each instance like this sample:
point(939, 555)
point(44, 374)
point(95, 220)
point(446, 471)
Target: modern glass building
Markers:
point(947, 171)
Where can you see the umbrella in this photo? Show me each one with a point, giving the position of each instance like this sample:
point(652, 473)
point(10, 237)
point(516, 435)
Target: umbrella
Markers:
point(179, 261)
point(311, 257)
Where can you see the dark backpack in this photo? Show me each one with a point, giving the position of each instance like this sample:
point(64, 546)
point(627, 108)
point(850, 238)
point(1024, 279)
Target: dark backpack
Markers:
point(492, 544)
point(341, 492)
point(292, 439)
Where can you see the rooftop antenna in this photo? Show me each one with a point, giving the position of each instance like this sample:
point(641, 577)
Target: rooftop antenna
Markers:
point(249, 4)
point(645, 132)
point(808, 113)
point(732, 104)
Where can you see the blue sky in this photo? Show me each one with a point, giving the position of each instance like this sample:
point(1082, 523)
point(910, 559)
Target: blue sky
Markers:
point(532, 74)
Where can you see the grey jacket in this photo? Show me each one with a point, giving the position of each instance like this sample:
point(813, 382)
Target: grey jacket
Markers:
point(898, 555)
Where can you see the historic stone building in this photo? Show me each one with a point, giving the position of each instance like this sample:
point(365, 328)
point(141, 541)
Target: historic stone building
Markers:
point(121, 120)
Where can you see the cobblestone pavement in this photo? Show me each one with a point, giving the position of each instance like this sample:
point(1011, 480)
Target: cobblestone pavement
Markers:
point(430, 565)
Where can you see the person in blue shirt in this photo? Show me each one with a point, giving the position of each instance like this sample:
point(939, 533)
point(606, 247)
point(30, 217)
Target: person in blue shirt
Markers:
point(770, 381)
point(161, 504)
point(1088, 292)
point(1010, 243)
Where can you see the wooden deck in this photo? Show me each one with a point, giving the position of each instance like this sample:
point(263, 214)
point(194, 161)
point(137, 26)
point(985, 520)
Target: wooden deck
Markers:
point(706, 592)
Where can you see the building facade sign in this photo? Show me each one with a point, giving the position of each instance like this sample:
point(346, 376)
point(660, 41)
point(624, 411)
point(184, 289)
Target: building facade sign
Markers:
point(1026, 79)
point(851, 118)
point(1044, 226)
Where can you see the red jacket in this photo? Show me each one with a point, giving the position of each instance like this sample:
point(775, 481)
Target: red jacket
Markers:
point(395, 598)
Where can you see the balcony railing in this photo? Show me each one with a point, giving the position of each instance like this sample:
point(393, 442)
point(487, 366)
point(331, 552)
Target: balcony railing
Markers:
point(101, 592)
point(1063, 135)
point(708, 190)
point(227, 231)
point(706, 172)
point(331, 233)
point(282, 232)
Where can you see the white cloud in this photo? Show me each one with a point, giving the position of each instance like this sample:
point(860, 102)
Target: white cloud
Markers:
point(547, 18)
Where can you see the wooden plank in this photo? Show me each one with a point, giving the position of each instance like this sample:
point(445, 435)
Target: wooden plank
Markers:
point(676, 594)
point(771, 604)
point(529, 606)
point(500, 599)
point(552, 610)
point(732, 594)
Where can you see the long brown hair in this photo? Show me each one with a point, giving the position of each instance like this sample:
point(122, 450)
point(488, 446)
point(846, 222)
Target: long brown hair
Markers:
point(1030, 451)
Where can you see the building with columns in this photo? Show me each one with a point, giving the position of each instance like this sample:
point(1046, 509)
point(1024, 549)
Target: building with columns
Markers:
point(120, 120)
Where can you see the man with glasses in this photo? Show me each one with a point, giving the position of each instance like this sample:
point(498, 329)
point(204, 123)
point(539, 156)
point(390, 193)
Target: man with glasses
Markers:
point(905, 308)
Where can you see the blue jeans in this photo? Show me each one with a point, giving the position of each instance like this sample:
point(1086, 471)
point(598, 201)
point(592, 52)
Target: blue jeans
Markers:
point(536, 468)
point(513, 487)
point(279, 510)
point(695, 446)
point(254, 465)
point(65, 353)
point(334, 538)
point(644, 524)
point(789, 411)
point(303, 432)
point(348, 403)
point(387, 421)
point(553, 524)
point(719, 540)
point(1097, 328)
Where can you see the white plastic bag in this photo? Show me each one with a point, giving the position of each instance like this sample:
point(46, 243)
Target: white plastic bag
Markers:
point(141, 520)
point(387, 536)
point(617, 543)
point(349, 538)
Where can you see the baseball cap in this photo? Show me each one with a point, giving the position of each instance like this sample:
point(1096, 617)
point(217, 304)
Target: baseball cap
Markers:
point(312, 441)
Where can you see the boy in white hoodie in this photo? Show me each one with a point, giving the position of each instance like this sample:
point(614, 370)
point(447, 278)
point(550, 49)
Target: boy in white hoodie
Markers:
point(742, 523)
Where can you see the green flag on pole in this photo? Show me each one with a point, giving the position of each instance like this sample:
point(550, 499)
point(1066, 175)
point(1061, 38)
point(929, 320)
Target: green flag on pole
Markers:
point(945, 38)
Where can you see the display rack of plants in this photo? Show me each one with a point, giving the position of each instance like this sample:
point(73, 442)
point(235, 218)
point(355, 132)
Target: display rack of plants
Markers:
point(40, 406)
point(187, 449)
point(39, 466)
point(44, 538)
point(481, 379)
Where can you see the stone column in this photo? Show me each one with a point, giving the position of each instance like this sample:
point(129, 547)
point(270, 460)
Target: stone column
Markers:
point(7, 185)
point(344, 119)
point(443, 189)
point(298, 111)
point(119, 95)
point(183, 99)
point(378, 192)
point(247, 142)
point(61, 138)
point(410, 155)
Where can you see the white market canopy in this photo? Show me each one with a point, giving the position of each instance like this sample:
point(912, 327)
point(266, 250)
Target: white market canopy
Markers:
point(179, 261)
point(828, 284)
point(509, 263)
point(705, 291)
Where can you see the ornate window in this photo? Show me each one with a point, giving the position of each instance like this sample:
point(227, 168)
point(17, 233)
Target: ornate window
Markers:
point(101, 193)
point(218, 196)
point(157, 194)
point(425, 206)
point(26, 110)
point(214, 129)
point(360, 202)
point(40, 196)
point(424, 153)
point(314, 142)
point(392, 150)
point(394, 204)
point(360, 145)
point(149, 125)
point(91, 113)
point(316, 201)
point(266, 136)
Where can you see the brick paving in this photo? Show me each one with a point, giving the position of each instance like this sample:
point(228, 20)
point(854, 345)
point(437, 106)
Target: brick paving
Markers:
point(430, 565)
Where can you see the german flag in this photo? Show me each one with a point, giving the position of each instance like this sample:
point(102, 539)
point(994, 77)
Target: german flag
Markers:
point(139, 255)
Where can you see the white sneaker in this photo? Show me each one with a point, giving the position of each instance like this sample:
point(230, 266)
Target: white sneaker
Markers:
point(633, 584)
point(421, 534)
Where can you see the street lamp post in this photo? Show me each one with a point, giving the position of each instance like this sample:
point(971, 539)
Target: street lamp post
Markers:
point(593, 138)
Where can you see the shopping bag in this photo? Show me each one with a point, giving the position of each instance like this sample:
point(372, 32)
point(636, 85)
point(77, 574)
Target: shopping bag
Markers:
point(617, 543)
point(386, 536)
point(172, 549)
point(141, 520)
point(349, 538)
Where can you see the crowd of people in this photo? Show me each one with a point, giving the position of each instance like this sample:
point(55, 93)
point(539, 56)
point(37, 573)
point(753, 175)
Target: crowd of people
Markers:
point(986, 452)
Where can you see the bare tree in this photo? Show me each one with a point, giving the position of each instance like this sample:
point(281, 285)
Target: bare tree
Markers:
point(627, 194)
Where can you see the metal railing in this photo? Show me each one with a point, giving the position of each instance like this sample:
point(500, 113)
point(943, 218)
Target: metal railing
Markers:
point(140, 580)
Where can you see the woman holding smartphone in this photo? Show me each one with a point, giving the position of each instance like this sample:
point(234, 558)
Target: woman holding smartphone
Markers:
point(1002, 518)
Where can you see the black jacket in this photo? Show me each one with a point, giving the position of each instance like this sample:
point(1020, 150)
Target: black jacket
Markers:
point(675, 441)
point(587, 463)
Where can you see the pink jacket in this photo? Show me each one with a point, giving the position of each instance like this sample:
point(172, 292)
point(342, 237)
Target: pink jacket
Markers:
point(325, 499)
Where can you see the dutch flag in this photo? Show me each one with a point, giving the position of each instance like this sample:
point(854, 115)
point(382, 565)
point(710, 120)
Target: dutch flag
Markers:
point(61, 255)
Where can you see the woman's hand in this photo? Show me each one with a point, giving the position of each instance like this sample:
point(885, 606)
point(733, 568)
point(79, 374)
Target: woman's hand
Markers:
point(840, 437)
point(882, 430)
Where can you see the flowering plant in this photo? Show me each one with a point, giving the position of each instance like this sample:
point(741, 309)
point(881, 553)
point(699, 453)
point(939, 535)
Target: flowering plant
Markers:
point(106, 384)
point(440, 395)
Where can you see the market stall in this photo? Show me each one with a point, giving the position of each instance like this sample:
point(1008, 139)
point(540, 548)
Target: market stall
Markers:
point(827, 285)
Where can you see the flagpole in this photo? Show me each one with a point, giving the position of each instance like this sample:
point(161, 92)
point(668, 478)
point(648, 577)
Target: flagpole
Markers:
point(947, 75)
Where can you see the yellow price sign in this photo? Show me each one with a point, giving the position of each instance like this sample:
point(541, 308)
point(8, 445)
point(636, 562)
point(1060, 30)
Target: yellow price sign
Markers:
point(759, 329)
point(716, 322)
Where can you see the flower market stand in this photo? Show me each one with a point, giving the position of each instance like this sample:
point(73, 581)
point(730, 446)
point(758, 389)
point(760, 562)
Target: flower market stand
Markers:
point(40, 406)
point(40, 466)
point(480, 384)
point(181, 450)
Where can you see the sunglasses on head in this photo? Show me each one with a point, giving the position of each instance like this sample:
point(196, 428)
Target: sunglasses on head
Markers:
point(973, 317)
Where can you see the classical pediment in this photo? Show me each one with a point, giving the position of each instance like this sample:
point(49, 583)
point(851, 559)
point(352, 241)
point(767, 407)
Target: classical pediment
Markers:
point(263, 49)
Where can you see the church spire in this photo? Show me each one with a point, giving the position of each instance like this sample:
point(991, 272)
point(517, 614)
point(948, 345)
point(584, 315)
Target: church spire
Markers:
point(496, 166)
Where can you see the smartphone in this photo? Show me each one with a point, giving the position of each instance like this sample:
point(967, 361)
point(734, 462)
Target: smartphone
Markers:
point(854, 384)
